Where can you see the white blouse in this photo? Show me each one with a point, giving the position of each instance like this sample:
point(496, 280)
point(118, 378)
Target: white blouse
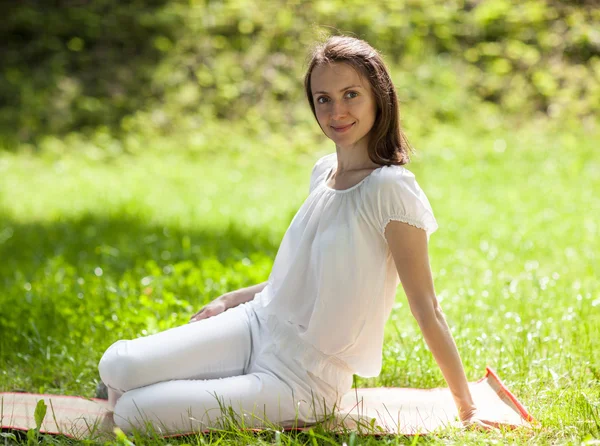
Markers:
point(334, 280)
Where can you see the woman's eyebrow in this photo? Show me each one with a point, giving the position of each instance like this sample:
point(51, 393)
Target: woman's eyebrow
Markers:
point(345, 88)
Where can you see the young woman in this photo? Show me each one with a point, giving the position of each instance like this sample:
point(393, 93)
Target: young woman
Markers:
point(284, 351)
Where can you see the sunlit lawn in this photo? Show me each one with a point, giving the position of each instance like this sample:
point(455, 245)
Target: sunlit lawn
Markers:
point(94, 251)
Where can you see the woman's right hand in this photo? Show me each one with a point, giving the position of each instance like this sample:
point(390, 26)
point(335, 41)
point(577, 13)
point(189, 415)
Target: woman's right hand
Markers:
point(217, 306)
point(228, 300)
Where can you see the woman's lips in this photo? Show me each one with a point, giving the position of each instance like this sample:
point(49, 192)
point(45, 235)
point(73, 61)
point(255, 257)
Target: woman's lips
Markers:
point(342, 129)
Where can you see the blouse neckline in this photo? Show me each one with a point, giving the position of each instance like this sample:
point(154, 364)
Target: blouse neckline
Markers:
point(341, 191)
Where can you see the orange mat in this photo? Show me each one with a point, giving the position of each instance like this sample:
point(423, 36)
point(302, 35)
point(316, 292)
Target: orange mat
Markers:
point(378, 411)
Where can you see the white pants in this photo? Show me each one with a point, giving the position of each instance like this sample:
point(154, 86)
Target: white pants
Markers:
point(211, 372)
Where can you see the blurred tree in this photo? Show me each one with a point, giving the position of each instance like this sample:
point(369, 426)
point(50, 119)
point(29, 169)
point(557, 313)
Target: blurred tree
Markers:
point(72, 64)
point(79, 65)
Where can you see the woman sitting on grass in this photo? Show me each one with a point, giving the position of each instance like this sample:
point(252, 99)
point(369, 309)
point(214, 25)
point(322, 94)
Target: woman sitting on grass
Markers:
point(284, 352)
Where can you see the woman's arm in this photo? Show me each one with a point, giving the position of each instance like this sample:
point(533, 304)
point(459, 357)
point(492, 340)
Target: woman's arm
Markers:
point(228, 300)
point(408, 246)
point(237, 297)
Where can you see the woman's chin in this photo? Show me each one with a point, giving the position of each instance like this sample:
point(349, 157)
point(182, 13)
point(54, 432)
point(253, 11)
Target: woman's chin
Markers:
point(341, 138)
point(342, 143)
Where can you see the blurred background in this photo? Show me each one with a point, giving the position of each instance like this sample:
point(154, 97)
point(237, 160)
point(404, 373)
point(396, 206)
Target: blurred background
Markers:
point(108, 69)
point(153, 153)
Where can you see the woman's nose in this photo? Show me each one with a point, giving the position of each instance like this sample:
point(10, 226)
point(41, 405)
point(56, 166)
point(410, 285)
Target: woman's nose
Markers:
point(338, 110)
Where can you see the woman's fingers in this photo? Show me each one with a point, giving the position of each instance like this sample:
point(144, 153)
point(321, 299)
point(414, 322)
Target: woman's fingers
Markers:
point(482, 425)
point(493, 424)
point(199, 315)
point(212, 311)
point(209, 310)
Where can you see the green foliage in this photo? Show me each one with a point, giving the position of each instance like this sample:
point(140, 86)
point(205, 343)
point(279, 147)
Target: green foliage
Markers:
point(38, 415)
point(169, 65)
point(68, 66)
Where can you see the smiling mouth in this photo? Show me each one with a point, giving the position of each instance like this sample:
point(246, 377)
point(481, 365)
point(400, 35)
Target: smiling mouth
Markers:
point(342, 128)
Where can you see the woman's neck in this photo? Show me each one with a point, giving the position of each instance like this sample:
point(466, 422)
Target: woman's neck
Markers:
point(351, 159)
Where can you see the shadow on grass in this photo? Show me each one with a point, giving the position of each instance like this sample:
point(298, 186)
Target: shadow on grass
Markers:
point(119, 244)
point(82, 282)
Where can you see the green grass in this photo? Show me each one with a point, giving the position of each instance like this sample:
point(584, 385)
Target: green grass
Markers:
point(94, 250)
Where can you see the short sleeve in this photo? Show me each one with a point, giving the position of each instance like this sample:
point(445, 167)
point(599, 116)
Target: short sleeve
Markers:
point(320, 168)
point(399, 197)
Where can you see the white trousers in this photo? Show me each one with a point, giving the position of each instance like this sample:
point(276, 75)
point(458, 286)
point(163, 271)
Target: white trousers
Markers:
point(212, 372)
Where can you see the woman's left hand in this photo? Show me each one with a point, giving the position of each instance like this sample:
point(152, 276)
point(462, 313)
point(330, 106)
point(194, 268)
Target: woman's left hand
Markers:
point(475, 421)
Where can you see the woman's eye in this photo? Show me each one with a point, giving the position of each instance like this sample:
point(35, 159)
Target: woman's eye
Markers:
point(325, 97)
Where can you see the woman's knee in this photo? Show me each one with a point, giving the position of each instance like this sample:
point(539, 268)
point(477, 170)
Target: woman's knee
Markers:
point(117, 368)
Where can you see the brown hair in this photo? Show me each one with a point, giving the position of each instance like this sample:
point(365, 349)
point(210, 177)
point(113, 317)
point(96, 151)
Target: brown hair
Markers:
point(387, 143)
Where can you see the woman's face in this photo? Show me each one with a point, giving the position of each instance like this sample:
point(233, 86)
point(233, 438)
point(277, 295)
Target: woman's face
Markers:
point(344, 104)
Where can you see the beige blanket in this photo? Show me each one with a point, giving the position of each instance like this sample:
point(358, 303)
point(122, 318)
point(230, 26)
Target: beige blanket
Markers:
point(376, 411)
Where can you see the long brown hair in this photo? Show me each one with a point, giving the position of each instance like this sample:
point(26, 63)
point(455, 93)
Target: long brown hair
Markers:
point(387, 142)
